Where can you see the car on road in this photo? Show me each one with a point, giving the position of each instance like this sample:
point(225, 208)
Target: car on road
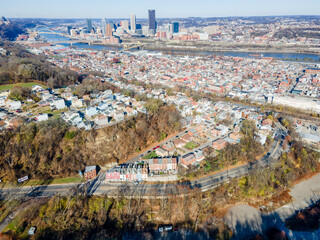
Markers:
point(135, 182)
point(141, 155)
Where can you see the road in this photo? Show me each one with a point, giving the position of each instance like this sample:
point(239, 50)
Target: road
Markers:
point(98, 187)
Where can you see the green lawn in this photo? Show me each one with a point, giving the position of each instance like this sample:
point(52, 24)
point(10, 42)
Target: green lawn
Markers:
point(190, 145)
point(28, 84)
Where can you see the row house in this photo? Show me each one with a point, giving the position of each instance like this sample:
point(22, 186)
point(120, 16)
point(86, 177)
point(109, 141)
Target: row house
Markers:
point(128, 172)
point(168, 164)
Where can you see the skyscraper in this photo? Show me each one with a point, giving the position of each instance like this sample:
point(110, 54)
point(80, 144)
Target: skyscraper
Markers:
point(89, 25)
point(152, 21)
point(125, 24)
point(133, 22)
point(69, 29)
point(109, 30)
point(175, 27)
point(104, 26)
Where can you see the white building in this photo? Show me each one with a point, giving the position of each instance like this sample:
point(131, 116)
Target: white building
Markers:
point(13, 105)
point(42, 117)
point(58, 104)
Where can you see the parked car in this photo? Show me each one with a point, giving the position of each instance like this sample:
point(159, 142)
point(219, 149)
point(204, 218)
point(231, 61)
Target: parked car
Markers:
point(165, 228)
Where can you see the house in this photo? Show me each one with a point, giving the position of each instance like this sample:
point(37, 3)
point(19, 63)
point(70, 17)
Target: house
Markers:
point(220, 131)
point(168, 146)
point(179, 143)
point(118, 116)
point(230, 140)
point(187, 137)
point(13, 105)
point(44, 103)
point(2, 101)
point(158, 165)
point(188, 160)
point(87, 125)
point(113, 174)
point(199, 155)
point(161, 152)
point(128, 172)
point(101, 120)
point(42, 117)
point(219, 144)
point(37, 88)
point(58, 104)
point(267, 122)
point(77, 103)
point(235, 136)
point(76, 119)
point(90, 172)
point(262, 138)
point(91, 111)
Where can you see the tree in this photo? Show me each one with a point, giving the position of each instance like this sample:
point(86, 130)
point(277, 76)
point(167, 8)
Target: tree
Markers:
point(153, 105)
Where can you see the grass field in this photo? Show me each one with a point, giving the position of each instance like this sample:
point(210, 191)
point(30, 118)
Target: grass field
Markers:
point(28, 84)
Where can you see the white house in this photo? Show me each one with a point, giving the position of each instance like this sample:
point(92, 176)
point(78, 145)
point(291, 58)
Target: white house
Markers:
point(36, 88)
point(91, 111)
point(118, 116)
point(2, 101)
point(42, 117)
point(76, 102)
point(101, 120)
point(58, 103)
point(87, 125)
point(13, 105)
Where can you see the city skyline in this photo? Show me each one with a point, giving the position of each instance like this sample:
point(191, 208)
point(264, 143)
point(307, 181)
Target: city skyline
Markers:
point(164, 9)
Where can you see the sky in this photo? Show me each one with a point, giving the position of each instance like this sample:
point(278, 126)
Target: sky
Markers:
point(164, 8)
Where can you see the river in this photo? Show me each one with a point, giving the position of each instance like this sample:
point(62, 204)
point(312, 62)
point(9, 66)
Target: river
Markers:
point(283, 56)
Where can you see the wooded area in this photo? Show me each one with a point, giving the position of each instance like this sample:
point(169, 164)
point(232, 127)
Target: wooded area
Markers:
point(19, 65)
point(46, 150)
point(77, 217)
